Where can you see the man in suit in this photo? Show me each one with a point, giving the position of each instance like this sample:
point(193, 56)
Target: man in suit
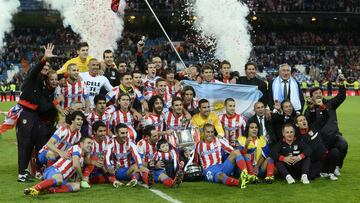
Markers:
point(263, 120)
point(285, 87)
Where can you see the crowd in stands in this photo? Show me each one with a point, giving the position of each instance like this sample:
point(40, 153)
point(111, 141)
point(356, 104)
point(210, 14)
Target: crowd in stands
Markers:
point(322, 53)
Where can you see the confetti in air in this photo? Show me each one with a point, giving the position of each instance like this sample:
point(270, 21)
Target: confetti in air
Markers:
point(224, 25)
point(93, 21)
point(8, 8)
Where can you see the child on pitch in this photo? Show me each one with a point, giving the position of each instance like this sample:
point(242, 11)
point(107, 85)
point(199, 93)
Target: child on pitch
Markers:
point(165, 162)
point(256, 150)
point(57, 175)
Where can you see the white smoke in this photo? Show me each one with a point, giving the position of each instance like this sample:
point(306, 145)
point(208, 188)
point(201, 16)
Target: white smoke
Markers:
point(7, 9)
point(94, 21)
point(225, 21)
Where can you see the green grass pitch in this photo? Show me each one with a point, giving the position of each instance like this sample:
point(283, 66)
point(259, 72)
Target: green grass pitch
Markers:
point(346, 189)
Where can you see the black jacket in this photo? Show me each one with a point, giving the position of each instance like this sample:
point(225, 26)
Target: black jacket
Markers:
point(32, 87)
point(283, 149)
point(259, 83)
point(269, 129)
point(314, 140)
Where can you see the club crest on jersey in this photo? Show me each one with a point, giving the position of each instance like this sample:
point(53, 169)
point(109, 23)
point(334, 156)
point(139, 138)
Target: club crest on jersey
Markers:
point(295, 147)
point(24, 121)
point(209, 175)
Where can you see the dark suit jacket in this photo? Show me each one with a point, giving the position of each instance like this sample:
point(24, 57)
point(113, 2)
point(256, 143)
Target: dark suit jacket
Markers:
point(261, 86)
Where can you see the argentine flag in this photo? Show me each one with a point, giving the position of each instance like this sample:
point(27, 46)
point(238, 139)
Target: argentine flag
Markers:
point(245, 96)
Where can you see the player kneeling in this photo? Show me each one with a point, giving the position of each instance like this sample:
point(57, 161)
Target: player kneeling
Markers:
point(56, 176)
point(208, 150)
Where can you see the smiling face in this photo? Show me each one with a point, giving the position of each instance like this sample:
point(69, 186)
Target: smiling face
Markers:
point(158, 106)
point(161, 87)
point(126, 80)
point(317, 94)
point(124, 102)
point(137, 81)
point(53, 80)
point(151, 70)
point(177, 107)
point(230, 107)
point(205, 109)
point(100, 106)
point(188, 96)
point(108, 58)
point(259, 108)
point(209, 133)
point(288, 133)
point(250, 71)
point(86, 145)
point(208, 75)
point(73, 72)
point(164, 147)
point(77, 122)
point(287, 108)
point(285, 72)
point(94, 67)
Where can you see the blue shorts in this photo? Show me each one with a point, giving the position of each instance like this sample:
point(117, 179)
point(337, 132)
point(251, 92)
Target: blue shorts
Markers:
point(157, 173)
point(50, 172)
point(120, 173)
point(211, 173)
point(42, 157)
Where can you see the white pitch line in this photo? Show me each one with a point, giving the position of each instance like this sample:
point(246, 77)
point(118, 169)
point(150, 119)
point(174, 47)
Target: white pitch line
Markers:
point(161, 194)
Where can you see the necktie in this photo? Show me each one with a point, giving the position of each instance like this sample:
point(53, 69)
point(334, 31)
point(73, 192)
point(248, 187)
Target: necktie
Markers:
point(285, 90)
point(261, 130)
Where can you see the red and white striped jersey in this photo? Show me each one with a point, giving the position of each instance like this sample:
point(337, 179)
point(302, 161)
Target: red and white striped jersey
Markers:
point(149, 84)
point(146, 149)
point(209, 153)
point(99, 148)
point(126, 118)
point(64, 138)
point(176, 123)
point(193, 105)
point(234, 126)
point(73, 92)
point(65, 166)
point(167, 156)
point(121, 155)
point(133, 92)
point(155, 120)
point(93, 117)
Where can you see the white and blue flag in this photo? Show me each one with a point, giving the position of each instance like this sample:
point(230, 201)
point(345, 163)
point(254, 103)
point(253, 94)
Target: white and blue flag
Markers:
point(245, 96)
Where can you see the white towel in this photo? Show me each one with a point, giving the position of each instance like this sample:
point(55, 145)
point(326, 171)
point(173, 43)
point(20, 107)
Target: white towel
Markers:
point(277, 89)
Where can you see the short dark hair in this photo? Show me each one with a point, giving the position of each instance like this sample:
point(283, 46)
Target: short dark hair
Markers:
point(314, 89)
point(107, 51)
point(202, 101)
point(136, 72)
point(169, 71)
point(206, 125)
point(123, 74)
point(120, 125)
point(249, 64)
point(81, 44)
point(208, 66)
point(147, 130)
point(160, 142)
point(287, 125)
point(159, 80)
point(122, 95)
point(176, 99)
point(97, 124)
point(83, 138)
point(283, 102)
point(73, 116)
point(224, 62)
point(152, 102)
point(228, 100)
point(99, 97)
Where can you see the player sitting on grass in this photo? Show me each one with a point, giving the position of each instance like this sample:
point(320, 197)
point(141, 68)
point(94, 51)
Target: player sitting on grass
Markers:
point(256, 151)
point(63, 138)
point(208, 150)
point(165, 162)
point(123, 160)
point(56, 176)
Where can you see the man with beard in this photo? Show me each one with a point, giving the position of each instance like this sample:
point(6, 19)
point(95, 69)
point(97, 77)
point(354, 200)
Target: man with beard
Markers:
point(330, 132)
point(74, 90)
point(251, 79)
